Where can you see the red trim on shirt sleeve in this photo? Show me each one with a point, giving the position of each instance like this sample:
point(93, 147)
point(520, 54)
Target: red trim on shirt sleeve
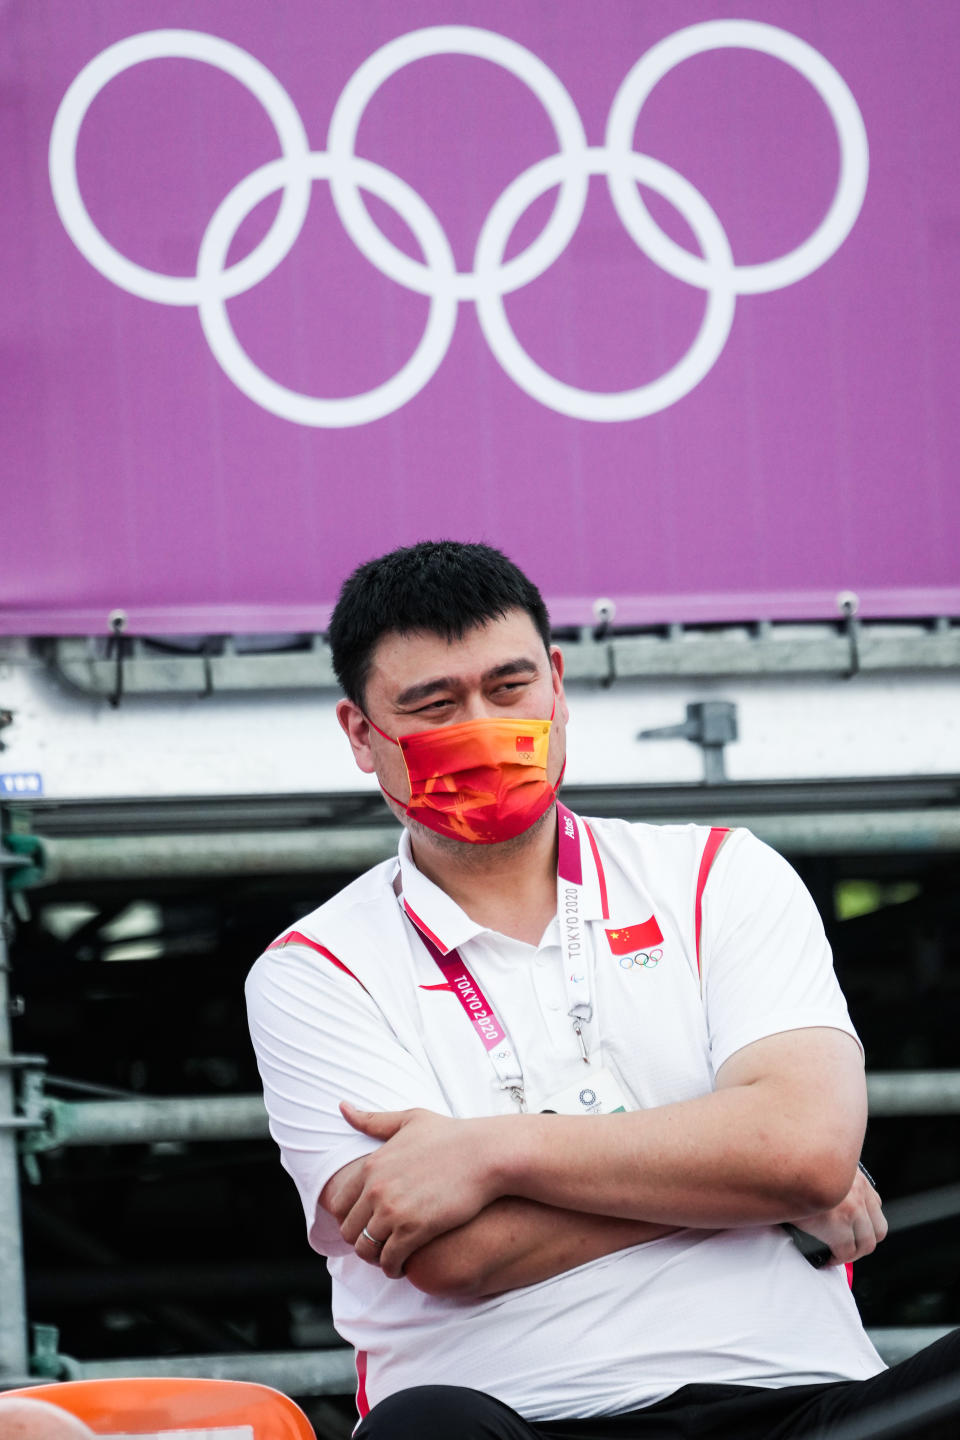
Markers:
point(297, 937)
point(714, 840)
point(600, 875)
point(363, 1404)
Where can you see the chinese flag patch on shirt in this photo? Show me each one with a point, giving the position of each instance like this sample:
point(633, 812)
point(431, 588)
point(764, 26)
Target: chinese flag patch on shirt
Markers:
point(635, 937)
point(525, 742)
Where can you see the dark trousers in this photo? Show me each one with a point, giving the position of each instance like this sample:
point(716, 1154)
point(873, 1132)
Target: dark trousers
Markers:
point(886, 1404)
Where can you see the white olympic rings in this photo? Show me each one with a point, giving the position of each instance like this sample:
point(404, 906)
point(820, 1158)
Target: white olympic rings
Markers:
point(436, 276)
point(184, 45)
point(288, 404)
point(564, 117)
point(833, 91)
point(624, 404)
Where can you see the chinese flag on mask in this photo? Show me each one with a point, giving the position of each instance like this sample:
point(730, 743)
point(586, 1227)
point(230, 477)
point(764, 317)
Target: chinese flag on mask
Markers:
point(635, 937)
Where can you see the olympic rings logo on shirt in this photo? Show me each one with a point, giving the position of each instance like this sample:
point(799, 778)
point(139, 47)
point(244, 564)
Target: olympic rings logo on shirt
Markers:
point(648, 959)
point(436, 276)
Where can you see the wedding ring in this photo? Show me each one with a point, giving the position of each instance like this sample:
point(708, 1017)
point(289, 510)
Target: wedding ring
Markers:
point(367, 1236)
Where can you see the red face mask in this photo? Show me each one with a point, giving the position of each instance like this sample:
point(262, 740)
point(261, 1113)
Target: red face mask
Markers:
point(483, 781)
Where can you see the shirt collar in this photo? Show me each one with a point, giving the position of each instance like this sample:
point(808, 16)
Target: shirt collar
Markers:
point(449, 926)
point(442, 918)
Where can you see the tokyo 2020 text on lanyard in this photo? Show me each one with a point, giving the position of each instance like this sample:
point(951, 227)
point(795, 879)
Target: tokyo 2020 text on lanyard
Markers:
point(487, 1027)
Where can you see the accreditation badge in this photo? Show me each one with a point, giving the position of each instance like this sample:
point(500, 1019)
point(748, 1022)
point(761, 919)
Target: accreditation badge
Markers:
point(599, 1092)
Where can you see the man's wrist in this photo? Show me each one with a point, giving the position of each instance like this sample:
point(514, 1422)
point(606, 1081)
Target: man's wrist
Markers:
point(502, 1147)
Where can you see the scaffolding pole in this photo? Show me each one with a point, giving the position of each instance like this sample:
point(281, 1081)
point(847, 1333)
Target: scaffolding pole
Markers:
point(242, 1117)
point(342, 850)
point(13, 1308)
point(348, 849)
point(914, 1092)
point(301, 1373)
point(148, 1122)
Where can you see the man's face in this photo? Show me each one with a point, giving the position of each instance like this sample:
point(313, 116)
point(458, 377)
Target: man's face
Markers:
point(421, 681)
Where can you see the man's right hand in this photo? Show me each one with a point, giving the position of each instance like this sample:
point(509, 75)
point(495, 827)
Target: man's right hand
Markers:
point(853, 1228)
point(510, 1244)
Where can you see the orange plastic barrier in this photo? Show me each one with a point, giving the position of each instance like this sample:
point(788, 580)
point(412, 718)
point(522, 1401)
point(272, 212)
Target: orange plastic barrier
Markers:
point(126, 1406)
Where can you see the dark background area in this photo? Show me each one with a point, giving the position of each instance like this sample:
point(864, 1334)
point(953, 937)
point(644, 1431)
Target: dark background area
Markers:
point(174, 1248)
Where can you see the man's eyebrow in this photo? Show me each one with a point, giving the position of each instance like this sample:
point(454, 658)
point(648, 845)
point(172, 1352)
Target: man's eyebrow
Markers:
point(414, 693)
point(520, 666)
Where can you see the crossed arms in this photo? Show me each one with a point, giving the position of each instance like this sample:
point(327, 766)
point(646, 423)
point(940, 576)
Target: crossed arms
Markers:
point(472, 1207)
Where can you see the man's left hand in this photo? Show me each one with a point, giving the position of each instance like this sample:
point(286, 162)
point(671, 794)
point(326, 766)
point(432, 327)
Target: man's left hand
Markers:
point(853, 1228)
point(430, 1176)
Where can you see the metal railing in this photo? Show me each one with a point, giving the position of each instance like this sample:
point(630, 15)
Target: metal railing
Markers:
point(13, 1312)
point(350, 849)
point(134, 667)
point(48, 1123)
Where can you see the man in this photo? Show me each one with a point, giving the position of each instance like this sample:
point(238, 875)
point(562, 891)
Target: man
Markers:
point(550, 1088)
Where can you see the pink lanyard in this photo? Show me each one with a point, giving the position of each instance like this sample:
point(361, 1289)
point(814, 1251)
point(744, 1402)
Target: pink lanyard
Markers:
point(489, 1030)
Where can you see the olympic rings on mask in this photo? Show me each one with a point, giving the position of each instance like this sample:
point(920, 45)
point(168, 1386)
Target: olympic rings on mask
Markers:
point(435, 276)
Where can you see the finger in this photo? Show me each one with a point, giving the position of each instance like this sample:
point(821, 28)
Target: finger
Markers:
point(842, 1241)
point(369, 1246)
point(359, 1216)
point(877, 1217)
point(857, 1241)
point(380, 1124)
point(342, 1197)
point(395, 1254)
point(866, 1235)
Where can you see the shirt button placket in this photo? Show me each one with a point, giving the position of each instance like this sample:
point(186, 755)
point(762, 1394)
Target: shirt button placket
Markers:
point(549, 983)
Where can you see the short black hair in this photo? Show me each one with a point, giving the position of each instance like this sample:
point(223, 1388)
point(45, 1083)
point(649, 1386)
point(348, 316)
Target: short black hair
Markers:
point(443, 587)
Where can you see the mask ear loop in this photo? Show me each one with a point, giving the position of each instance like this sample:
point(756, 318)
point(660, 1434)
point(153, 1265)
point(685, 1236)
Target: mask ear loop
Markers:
point(563, 767)
point(376, 727)
point(404, 804)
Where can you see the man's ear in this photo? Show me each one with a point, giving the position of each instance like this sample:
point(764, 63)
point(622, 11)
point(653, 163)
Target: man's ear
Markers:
point(355, 726)
point(556, 665)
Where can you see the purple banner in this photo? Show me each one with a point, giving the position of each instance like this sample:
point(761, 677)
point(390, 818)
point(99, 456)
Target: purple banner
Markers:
point(662, 300)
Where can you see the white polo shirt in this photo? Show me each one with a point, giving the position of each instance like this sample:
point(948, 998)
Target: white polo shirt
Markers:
point(358, 1009)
